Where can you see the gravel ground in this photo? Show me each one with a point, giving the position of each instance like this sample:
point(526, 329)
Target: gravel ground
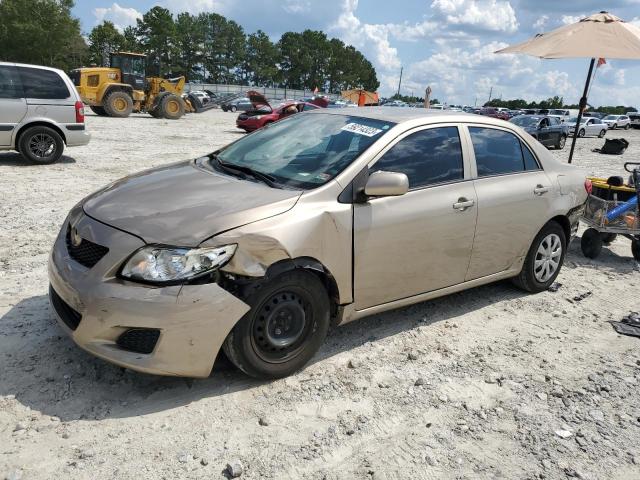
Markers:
point(488, 383)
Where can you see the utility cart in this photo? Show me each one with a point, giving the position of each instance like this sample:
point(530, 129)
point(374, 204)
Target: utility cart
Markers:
point(613, 209)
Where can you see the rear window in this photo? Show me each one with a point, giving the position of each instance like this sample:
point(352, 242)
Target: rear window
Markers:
point(42, 84)
point(10, 83)
point(498, 152)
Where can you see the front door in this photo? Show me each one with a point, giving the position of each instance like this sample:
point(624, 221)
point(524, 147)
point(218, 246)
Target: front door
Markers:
point(13, 106)
point(421, 241)
point(514, 200)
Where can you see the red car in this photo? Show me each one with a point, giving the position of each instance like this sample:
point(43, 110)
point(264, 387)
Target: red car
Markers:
point(494, 113)
point(262, 112)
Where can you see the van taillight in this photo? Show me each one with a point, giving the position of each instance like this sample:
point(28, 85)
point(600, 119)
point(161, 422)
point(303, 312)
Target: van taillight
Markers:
point(588, 186)
point(79, 112)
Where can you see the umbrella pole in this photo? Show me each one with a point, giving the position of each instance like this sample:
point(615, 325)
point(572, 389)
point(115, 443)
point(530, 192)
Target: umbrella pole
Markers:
point(582, 106)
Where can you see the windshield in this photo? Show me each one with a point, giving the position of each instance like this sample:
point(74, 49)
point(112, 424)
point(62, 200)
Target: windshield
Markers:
point(611, 117)
point(305, 150)
point(525, 121)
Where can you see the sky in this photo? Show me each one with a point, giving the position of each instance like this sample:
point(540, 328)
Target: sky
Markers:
point(445, 44)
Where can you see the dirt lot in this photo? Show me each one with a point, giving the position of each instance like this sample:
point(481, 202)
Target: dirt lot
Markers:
point(489, 383)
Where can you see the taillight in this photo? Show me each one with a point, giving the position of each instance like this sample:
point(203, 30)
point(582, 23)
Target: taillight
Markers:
point(79, 112)
point(588, 186)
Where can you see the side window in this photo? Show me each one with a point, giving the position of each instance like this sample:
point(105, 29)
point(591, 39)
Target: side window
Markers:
point(42, 84)
point(309, 107)
point(555, 121)
point(10, 86)
point(499, 152)
point(427, 157)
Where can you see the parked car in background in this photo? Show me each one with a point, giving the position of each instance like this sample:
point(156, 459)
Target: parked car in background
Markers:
point(589, 126)
point(548, 130)
point(634, 119)
point(40, 112)
point(531, 111)
point(560, 114)
point(617, 121)
point(242, 104)
point(262, 113)
point(493, 112)
point(594, 115)
point(322, 218)
point(201, 95)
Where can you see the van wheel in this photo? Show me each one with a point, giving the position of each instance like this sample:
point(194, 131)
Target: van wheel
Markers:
point(544, 259)
point(118, 104)
point(41, 145)
point(287, 324)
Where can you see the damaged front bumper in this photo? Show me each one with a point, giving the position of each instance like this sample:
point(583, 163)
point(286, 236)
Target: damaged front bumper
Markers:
point(182, 326)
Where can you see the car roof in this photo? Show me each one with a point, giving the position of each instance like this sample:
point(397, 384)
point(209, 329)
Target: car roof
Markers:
point(402, 115)
point(29, 65)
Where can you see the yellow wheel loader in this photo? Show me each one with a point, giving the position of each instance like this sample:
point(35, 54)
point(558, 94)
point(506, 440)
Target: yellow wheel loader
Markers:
point(123, 87)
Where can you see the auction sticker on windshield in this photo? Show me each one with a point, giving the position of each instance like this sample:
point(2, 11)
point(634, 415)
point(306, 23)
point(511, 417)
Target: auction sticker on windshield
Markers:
point(361, 129)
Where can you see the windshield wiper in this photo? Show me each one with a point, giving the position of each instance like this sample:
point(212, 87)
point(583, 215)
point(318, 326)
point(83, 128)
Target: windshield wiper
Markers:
point(264, 177)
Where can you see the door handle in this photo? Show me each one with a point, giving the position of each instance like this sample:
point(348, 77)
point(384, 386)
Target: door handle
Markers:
point(462, 204)
point(540, 190)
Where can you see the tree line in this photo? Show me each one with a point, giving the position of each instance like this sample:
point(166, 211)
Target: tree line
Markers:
point(555, 102)
point(207, 47)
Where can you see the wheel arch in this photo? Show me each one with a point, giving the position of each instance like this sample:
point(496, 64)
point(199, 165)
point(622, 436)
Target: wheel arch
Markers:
point(113, 87)
point(564, 222)
point(38, 123)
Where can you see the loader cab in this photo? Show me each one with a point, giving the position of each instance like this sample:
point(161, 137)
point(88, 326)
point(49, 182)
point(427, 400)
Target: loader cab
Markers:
point(132, 66)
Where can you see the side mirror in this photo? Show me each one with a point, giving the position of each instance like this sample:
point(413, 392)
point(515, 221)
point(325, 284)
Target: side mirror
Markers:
point(386, 184)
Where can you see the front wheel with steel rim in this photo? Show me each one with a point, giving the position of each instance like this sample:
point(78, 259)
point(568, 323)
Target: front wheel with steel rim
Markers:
point(41, 145)
point(286, 325)
point(544, 259)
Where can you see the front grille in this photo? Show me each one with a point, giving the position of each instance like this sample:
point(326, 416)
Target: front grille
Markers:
point(68, 315)
point(86, 253)
point(139, 340)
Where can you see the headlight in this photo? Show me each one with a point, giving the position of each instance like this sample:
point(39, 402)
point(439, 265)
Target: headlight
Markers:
point(164, 264)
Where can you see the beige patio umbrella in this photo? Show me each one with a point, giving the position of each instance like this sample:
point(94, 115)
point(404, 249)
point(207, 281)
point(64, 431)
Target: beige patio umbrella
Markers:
point(601, 35)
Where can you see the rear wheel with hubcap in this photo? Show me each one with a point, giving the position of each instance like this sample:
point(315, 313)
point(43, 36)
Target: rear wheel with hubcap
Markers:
point(544, 259)
point(561, 142)
point(41, 145)
point(286, 325)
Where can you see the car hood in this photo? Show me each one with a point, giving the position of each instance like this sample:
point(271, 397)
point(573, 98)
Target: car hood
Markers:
point(258, 100)
point(185, 203)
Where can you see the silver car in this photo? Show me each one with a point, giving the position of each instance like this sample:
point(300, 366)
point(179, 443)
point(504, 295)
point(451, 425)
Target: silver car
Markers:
point(617, 121)
point(318, 219)
point(589, 126)
point(40, 112)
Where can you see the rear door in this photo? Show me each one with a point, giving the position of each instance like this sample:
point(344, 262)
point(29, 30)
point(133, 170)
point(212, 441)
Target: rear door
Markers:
point(13, 106)
point(514, 200)
point(420, 241)
point(48, 95)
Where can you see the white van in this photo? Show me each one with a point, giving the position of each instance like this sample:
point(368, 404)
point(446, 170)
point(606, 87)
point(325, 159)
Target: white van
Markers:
point(40, 112)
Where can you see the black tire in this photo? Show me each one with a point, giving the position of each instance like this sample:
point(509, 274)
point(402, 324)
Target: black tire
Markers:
point(172, 107)
point(591, 243)
point(635, 248)
point(615, 125)
point(582, 132)
point(627, 127)
point(608, 238)
point(527, 278)
point(562, 141)
point(602, 133)
point(233, 108)
point(297, 298)
point(155, 113)
point(99, 111)
point(118, 104)
point(42, 145)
